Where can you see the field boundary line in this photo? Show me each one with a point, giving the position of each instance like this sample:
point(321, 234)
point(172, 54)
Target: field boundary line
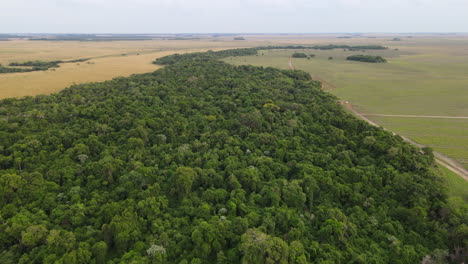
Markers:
point(419, 116)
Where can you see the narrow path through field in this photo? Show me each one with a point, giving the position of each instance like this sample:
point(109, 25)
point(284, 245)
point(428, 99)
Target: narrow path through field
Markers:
point(290, 64)
point(440, 158)
point(325, 84)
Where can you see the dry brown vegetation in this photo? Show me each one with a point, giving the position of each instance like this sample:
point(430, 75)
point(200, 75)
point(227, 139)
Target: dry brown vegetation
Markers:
point(109, 60)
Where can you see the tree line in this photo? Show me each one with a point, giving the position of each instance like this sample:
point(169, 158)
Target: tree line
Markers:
point(205, 56)
point(36, 65)
point(367, 58)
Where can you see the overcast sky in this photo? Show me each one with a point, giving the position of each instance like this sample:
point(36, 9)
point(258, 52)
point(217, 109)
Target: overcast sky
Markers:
point(232, 16)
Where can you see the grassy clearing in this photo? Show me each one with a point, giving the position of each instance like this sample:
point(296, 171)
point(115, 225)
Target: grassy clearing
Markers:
point(425, 76)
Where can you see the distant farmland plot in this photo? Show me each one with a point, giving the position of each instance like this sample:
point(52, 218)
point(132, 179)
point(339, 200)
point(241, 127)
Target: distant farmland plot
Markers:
point(24, 50)
point(425, 76)
point(110, 59)
point(45, 82)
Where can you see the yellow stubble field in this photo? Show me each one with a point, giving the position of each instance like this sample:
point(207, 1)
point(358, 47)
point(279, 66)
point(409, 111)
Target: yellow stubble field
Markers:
point(110, 59)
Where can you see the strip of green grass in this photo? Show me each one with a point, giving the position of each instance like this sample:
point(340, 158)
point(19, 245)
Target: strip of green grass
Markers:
point(457, 187)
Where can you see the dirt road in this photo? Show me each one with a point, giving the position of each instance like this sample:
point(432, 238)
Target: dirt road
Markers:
point(326, 86)
point(290, 64)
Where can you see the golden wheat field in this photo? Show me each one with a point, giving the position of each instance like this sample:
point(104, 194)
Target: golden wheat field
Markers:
point(110, 59)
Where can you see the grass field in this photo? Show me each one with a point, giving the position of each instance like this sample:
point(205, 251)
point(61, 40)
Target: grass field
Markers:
point(449, 136)
point(425, 76)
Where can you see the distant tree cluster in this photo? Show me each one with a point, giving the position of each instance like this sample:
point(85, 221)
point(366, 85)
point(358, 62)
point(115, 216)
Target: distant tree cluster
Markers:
point(30, 66)
point(367, 58)
point(299, 55)
point(37, 65)
point(239, 38)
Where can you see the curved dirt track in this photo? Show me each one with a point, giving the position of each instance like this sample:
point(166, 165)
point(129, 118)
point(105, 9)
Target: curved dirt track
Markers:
point(326, 86)
point(440, 158)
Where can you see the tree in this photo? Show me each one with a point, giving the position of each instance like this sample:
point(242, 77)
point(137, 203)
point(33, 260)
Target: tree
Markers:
point(34, 235)
point(293, 194)
point(61, 241)
point(258, 247)
point(100, 251)
point(184, 178)
point(10, 184)
point(156, 253)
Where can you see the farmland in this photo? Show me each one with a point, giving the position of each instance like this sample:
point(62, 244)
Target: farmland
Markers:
point(109, 59)
point(423, 76)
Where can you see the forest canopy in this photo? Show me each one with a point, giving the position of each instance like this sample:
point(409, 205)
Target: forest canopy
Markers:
point(205, 162)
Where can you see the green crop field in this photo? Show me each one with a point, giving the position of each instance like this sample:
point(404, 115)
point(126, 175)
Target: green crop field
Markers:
point(423, 76)
point(449, 136)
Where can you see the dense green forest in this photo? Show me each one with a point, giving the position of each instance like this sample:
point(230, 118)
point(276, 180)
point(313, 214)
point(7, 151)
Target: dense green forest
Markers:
point(205, 162)
point(367, 58)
